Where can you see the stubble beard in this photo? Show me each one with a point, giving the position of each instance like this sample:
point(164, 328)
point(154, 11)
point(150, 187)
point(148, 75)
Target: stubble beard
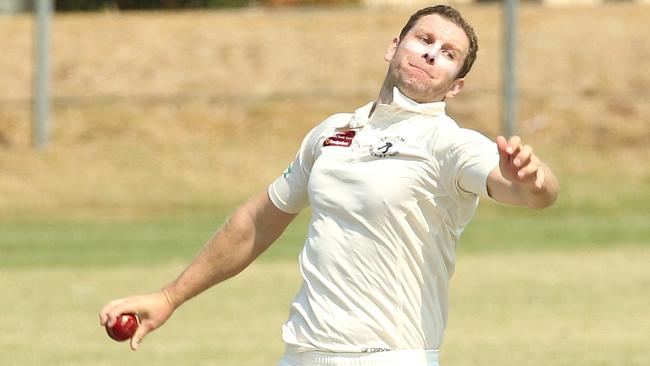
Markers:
point(419, 90)
point(419, 85)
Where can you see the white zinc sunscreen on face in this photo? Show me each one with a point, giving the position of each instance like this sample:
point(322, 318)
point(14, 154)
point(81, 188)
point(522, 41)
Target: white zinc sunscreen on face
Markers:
point(432, 52)
point(418, 47)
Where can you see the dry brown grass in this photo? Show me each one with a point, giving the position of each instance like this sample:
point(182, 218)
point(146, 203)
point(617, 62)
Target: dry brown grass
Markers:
point(159, 111)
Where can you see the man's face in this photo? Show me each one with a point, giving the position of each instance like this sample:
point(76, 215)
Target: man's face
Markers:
point(424, 65)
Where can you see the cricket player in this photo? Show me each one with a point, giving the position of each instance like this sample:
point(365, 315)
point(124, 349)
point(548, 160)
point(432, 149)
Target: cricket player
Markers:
point(391, 187)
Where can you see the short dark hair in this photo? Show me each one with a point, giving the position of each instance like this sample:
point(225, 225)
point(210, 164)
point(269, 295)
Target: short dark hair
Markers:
point(453, 16)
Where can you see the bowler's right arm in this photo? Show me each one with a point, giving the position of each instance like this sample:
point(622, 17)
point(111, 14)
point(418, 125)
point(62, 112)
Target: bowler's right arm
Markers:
point(248, 233)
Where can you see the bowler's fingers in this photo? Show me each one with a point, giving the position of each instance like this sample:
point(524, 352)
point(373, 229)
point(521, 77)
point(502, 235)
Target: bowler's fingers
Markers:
point(502, 144)
point(105, 318)
point(523, 157)
point(527, 171)
point(143, 329)
point(532, 173)
point(508, 148)
point(110, 312)
point(502, 147)
point(514, 143)
point(539, 182)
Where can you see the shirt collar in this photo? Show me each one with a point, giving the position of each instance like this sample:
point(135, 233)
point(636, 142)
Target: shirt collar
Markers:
point(401, 103)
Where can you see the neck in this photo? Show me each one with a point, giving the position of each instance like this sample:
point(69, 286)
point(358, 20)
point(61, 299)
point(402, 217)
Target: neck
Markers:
point(385, 95)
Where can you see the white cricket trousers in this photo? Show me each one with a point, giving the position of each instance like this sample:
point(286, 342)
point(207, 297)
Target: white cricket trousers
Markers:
point(388, 358)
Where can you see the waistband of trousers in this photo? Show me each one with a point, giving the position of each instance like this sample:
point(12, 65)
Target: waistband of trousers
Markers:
point(385, 358)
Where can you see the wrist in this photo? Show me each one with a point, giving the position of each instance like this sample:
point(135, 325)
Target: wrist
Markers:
point(541, 197)
point(168, 295)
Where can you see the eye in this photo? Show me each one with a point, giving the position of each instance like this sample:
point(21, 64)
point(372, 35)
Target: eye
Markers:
point(424, 40)
point(448, 54)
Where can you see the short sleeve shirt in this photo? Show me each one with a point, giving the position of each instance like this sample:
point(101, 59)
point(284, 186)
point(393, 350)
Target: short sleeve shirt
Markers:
point(390, 195)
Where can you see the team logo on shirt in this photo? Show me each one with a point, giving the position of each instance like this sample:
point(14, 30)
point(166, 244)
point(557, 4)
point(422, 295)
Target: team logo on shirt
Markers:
point(374, 349)
point(386, 147)
point(287, 171)
point(343, 139)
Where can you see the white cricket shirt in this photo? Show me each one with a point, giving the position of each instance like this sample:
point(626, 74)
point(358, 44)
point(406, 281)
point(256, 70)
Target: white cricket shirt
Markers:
point(390, 196)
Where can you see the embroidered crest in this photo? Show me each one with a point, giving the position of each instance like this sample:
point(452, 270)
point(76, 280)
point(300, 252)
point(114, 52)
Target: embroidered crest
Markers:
point(343, 139)
point(386, 147)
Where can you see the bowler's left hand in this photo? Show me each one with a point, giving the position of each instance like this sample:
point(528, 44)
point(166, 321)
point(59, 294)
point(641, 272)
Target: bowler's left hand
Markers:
point(519, 164)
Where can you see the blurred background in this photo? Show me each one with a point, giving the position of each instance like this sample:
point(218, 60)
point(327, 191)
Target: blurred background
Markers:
point(166, 115)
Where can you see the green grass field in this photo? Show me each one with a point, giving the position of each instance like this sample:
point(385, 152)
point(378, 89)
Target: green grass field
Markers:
point(556, 287)
point(563, 286)
point(154, 241)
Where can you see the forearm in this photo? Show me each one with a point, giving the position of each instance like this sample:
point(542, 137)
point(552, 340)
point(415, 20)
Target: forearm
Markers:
point(233, 247)
point(227, 253)
point(524, 193)
point(251, 229)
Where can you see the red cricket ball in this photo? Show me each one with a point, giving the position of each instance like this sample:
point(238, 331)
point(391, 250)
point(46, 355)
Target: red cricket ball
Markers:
point(124, 327)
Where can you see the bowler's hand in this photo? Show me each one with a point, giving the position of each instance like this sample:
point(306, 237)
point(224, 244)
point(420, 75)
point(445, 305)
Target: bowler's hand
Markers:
point(521, 178)
point(519, 164)
point(153, 310)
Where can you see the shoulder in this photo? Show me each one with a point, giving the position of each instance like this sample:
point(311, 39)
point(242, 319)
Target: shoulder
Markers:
point(444, 133)
point(458, 137)
point(324, 129)
point(450, 141)
point(338, 120)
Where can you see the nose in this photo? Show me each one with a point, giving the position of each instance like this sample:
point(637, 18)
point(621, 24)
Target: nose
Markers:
point(430, 55)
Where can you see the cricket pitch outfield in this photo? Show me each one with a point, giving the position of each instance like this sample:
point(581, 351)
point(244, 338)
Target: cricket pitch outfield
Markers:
point(577, 307)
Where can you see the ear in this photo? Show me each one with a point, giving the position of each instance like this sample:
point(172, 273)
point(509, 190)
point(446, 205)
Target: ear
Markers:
point(390, 52)
point(455, 88)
